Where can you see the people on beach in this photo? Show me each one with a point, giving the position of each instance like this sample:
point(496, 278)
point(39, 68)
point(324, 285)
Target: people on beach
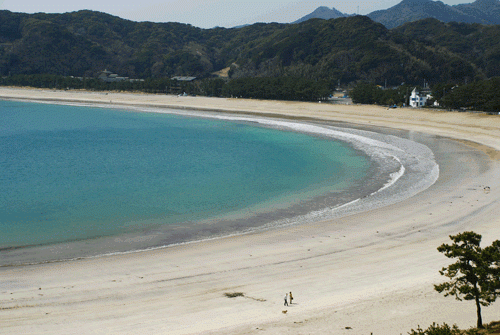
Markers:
point(286, 300)
point(291, 297)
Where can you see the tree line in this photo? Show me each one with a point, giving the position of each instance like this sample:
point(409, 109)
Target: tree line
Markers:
point(62, 82)
point(369, 93)
point(481, 95)
point(282, 88)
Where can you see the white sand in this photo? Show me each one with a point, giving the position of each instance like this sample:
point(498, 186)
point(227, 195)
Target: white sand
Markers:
point(371, 271)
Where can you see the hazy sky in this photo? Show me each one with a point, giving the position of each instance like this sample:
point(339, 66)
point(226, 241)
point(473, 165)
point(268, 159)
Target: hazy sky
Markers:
point(204, 13)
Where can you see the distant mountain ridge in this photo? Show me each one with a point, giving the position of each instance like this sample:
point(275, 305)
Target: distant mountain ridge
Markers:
point(480, 11)
point(322, 12)
point(487, 10)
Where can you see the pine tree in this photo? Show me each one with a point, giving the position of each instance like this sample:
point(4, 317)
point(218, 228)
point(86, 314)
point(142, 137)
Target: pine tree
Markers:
point(475, 276)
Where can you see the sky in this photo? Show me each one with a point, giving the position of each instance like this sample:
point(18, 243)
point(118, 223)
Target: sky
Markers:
point(204, 13)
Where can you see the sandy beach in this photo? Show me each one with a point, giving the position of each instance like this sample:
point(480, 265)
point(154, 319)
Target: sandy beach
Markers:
point(371, 272)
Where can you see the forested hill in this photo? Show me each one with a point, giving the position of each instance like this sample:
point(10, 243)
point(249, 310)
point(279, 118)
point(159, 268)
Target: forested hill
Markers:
point(347, 49)
point(480, 11)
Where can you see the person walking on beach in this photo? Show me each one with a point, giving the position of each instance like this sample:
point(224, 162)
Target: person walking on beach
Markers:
point(291, 297)
point(286, 300)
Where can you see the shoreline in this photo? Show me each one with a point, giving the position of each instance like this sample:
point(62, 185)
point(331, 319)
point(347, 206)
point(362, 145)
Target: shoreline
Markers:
point(382, 150)
point(371, 271)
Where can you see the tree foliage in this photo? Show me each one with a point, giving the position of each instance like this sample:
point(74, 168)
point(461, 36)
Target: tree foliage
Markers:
point(475, 43)
point(282, 88)
point(475, 276)
point(482, 95)
point(444, 329)
point(367, 93)
point(436, 329)
point(160, 85)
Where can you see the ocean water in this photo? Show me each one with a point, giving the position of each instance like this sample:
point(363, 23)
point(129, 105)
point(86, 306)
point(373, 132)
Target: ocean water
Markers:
point(80, 173)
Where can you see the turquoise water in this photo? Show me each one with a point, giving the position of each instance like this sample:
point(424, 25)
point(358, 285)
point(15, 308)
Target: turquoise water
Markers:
point(72, 173)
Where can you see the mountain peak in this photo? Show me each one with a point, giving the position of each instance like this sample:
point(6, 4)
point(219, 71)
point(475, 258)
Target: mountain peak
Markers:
point(324, 13)
point(479, 11)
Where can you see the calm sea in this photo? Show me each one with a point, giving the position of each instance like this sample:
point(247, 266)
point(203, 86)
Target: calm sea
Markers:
point(72, 173)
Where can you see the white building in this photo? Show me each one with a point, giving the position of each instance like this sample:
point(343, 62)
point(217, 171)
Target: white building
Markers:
point(417, 100)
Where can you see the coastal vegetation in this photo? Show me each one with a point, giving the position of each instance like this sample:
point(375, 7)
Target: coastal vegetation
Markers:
point(476, 274)
point(281, 88)
point(481, 95)
point(445, 329)
point(369, 93)
point(150, 85)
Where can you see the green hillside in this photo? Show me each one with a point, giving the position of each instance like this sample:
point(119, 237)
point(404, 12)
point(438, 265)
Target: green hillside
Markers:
point(347, 49)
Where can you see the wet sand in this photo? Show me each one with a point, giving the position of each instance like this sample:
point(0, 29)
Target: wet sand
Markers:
point(371, 271)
